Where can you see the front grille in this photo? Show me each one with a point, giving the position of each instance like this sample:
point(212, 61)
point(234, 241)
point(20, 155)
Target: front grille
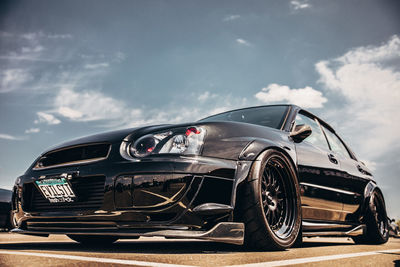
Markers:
point(89, 192)
point(73, 155)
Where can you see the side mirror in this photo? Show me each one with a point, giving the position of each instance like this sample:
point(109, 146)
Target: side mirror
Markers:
point(300, 132)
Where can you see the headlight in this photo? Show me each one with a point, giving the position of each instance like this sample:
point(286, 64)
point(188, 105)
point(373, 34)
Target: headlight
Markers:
point(188, 142)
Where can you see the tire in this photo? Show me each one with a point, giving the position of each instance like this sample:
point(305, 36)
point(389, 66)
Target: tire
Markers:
point(377, 231)
point(11, 221)
point(93, 240)
point(299, 241)
point(270, 203)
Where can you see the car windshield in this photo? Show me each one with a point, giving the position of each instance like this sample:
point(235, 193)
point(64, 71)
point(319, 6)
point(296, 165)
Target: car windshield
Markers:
point(270, 116)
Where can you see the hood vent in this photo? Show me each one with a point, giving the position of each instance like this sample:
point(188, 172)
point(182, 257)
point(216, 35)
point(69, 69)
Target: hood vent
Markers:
point(73, 155)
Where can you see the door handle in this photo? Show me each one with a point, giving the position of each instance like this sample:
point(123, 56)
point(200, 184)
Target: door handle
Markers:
point(360, 169)
point(332, 159)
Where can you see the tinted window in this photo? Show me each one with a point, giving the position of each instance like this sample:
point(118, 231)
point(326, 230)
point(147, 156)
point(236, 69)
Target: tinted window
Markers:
point(335, 143)
point(270, 116)
point(316, 138)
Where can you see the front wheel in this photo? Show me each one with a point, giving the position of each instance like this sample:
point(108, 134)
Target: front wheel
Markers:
point(377, 231)
point(270, 203)
point(93, 240)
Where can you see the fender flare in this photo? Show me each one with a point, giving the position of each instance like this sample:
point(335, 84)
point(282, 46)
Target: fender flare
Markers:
point(255, 148)
point(370, 188)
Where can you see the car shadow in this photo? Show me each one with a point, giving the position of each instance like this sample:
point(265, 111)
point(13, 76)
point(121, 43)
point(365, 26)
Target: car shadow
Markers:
point(152, 247)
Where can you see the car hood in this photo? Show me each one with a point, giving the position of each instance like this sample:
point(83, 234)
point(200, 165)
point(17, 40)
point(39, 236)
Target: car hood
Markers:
point(219, 135)
point(106, 137)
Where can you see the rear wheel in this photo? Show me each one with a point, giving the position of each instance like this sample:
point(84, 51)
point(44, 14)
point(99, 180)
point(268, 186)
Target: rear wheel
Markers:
point(270, 205)
point(93, 240)
point(377, 231)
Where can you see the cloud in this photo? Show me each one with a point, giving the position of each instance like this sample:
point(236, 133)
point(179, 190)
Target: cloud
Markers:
point(34, 36)
point(40, 62)
point(370, 85)
point(46, 118)
point(32, 130)
point(10, 137)
point(105, 111)
point(88, 105)
point(231, 17)
point(119, 57)
point(13, 79)
point(30, 47)
point(373, 54)
point(243, 42)
point(299, 4)
point(33, 49)
point(96, 66)
point(206, 95)
point(59, 36)
point(305, 97)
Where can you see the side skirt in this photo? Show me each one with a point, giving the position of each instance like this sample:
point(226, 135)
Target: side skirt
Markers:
point(311, 229)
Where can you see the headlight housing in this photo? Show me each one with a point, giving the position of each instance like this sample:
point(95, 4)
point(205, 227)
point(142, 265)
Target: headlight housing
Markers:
point(187, 141)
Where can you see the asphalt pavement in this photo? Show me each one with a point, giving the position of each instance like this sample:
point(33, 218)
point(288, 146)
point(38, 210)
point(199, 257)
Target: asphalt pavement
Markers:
point(59, 250)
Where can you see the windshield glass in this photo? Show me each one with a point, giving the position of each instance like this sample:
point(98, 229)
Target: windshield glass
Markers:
point(270, 116)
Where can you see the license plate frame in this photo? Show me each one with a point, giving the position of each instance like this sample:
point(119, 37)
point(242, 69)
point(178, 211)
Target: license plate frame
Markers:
point(56, 189)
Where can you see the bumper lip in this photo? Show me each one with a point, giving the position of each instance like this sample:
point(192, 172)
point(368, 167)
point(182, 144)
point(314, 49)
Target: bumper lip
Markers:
point(224, 232)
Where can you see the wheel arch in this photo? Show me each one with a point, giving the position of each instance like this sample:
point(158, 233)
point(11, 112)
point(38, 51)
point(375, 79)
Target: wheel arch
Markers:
point(254, 152)
point(255, 148)
point(370, 188)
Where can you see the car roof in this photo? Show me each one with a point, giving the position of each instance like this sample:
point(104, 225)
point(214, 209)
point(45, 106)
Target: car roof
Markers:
point(294, 108)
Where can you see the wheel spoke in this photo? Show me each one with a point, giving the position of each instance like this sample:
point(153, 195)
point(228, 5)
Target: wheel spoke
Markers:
point(267, 212)
point(269, 216)
point(273, 218)
point(267, 174)
point(264, 183)
point(278, 211)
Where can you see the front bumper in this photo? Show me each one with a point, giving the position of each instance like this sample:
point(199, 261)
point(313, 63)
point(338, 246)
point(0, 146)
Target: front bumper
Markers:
point(171, 197)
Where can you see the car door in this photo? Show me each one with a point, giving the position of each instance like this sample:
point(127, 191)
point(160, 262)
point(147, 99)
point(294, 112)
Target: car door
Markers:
point(353, 176)
point(317, 169)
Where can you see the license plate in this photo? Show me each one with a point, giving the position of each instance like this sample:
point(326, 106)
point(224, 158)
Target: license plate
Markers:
point(56, 190)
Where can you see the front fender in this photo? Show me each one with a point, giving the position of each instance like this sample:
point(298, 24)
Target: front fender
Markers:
point(251, 157)
point(370, 188)
point(256, 147)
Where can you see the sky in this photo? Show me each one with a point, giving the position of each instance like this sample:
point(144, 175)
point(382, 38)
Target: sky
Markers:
point(74, 68)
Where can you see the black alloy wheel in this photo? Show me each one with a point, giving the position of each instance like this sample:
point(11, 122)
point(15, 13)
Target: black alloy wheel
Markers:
point(376, 221)
point(271, 207)
point(277, 198)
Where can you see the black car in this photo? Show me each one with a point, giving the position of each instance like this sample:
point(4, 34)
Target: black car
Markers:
point(265, 176)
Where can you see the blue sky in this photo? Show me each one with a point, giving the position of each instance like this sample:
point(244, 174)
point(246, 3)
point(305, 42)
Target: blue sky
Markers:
point(73, 68)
